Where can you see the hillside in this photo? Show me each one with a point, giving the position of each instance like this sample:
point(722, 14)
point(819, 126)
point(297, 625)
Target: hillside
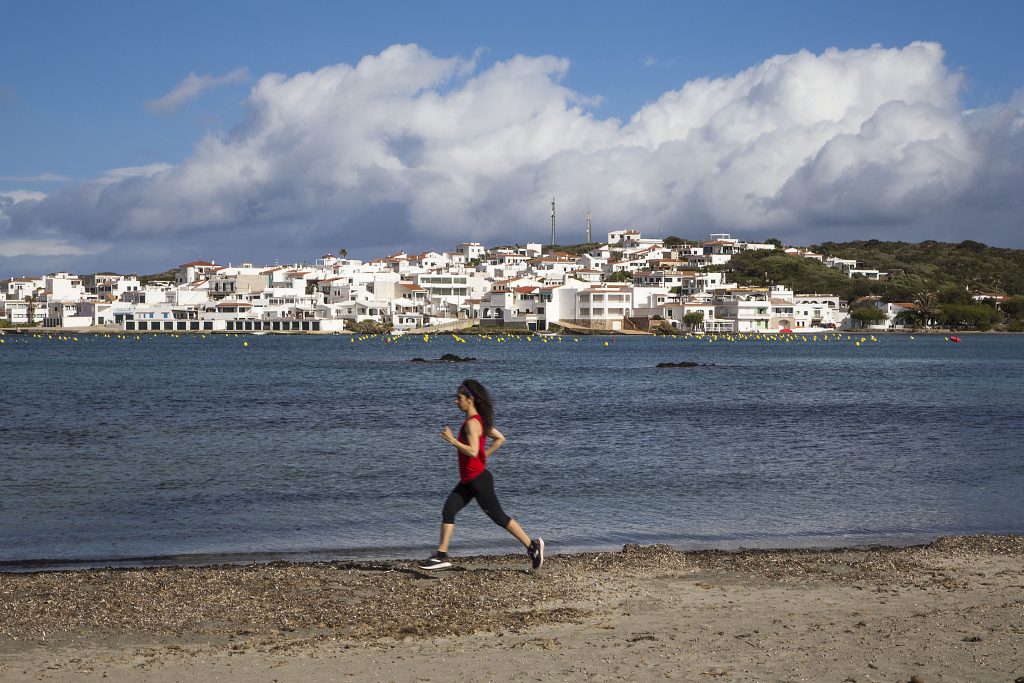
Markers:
point(952, 270)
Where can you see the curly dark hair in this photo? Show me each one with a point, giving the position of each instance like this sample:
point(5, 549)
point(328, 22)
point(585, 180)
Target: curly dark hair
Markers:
point(482, 401)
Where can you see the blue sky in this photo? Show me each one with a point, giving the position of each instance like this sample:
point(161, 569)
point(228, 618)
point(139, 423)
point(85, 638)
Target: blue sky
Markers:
point(81, 86)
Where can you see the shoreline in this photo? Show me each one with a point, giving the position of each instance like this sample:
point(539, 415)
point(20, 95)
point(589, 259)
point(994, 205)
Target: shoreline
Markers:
point(481, 331)
point(952, 609)
point(355, 556)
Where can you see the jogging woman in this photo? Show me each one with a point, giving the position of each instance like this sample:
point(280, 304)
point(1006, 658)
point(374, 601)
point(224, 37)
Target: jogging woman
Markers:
point(475, 480)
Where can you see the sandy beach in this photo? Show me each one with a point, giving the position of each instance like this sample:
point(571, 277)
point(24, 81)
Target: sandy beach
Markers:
point(949, 611)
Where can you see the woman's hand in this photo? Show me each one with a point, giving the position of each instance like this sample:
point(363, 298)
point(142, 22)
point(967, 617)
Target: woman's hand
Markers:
point(447, 435)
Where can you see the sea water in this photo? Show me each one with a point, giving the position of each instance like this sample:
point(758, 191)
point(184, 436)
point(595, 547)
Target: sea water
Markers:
point(191, 449)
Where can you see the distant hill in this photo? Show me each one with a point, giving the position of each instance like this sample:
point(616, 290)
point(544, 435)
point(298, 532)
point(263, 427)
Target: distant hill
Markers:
point(940, 267)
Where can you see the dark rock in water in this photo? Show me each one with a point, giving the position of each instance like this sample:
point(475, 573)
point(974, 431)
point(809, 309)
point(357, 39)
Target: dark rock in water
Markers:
point(684, 364)
point(419, 360)
point(452, 358)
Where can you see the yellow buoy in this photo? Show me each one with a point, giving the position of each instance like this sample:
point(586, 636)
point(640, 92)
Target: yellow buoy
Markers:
point(245, 343)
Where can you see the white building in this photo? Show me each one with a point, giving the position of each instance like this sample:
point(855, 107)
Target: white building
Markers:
point(195, 270)
point(604, 307)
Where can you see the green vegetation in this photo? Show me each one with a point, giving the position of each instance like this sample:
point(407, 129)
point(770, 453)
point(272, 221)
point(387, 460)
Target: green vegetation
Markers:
point(938, 277)
point(967, 265)
point(969, 317)
point(951, 270)
point(694, 319)
point(673, 241)
point(621, 276)
point(158, 277)
point(868, 315)
point(761, 268)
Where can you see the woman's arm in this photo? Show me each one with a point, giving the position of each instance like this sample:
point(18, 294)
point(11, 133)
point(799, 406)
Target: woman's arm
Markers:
point(473, 431)
point(497, 439)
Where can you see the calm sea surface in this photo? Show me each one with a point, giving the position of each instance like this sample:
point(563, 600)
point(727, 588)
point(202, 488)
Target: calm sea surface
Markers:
point(195, 449)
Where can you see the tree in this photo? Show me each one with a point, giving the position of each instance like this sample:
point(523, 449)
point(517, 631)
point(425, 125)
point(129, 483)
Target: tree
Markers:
point(868, 315)
point(774, 240)
point(343, 252)
point(620, 276)
point(968, 316)
point(31, 300)
point(907, 318)
point(694, 319)
point(1013, 307)
point(927, 306)
point(953, 294)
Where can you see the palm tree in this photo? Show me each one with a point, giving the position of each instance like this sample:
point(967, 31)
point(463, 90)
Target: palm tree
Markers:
point(31, 301)
point(927, 303)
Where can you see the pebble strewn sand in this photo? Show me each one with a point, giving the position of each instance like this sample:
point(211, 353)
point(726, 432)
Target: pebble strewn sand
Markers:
point(315, 609)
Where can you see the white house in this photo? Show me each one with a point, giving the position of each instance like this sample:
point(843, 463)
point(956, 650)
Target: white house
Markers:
point(747, 308)
point(195, 270)
point(604, 307)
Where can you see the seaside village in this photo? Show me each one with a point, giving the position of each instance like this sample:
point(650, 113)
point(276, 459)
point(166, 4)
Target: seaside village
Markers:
point(631, 283)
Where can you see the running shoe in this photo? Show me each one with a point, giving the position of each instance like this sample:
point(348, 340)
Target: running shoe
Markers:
point(436, 561)
point(536, 552)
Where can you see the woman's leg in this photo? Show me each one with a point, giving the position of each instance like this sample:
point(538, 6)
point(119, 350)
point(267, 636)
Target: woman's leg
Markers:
point(483, 488)
point(517, 531)
point(457, 499)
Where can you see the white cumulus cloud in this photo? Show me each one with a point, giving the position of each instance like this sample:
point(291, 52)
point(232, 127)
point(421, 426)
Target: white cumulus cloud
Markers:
point(22, 248)
point(22, 195)
point(408, 149)
point(191, 88)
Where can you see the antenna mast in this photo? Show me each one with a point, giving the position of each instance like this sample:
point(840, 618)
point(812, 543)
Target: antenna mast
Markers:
point(552, 220)
point(588, 220)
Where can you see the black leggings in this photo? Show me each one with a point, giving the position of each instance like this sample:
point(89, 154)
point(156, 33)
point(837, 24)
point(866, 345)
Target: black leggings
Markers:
point(480, 487)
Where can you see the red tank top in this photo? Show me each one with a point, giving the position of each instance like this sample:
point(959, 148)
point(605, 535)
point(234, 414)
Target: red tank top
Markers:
point(471, 468)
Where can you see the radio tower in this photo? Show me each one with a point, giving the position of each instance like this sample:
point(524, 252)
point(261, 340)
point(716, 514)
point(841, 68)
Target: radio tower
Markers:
point(552, 220)
point(588, 222)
